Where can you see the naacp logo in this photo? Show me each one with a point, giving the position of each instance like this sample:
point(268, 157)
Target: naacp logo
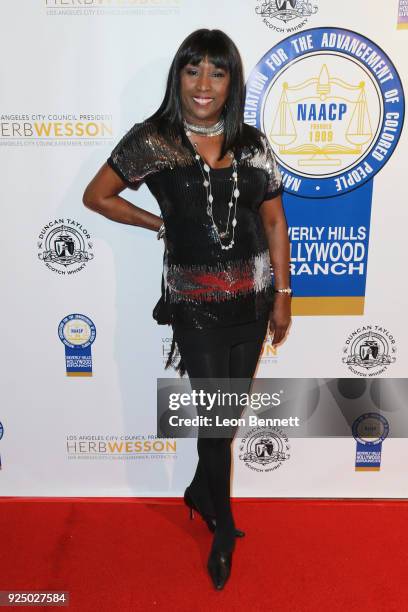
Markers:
point(64, 246)
point(264, 449)
point(76, 331)
point(277, 14)
point(369, 430)
point(369, 350)
point(332, 106)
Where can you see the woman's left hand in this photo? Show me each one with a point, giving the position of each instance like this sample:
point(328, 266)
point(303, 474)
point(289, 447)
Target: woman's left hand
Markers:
point(280, 317)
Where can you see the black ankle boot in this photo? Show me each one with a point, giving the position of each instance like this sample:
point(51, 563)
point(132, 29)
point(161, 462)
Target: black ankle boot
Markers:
point(220, 561)
point(209, 519)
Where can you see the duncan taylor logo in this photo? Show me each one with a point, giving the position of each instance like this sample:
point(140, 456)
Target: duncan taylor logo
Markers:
point(286, 15)
point(369, 350)
point(64, 246)
point(264, 449)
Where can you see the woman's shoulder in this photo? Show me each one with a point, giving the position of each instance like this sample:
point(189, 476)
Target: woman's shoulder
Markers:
point(144, 140)
point(140, 131)
point(138, 154)
point(154, 136)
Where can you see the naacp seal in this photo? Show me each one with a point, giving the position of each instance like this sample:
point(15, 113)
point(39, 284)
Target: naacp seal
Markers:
point(77, 332)
point(286, 15)
point(331, 103)
point(369, 430)
point(264, 449)
point(369, 350)
point(64, 246)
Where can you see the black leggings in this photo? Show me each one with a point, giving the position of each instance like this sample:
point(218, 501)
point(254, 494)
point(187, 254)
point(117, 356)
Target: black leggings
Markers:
point(211, 483)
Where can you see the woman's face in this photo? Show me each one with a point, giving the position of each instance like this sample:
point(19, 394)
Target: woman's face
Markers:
point(204, 90)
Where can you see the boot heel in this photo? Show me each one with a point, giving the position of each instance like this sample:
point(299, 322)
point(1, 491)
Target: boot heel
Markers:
point(209, 520)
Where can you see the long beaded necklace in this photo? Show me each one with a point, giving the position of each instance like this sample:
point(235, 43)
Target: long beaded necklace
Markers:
point(232, 204)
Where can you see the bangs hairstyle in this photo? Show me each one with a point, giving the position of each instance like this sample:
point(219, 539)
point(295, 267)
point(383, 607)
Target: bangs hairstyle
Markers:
point(222, 52)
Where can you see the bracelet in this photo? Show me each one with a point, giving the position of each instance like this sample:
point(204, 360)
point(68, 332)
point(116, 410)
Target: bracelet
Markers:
point(161, 231)
point(287, 290)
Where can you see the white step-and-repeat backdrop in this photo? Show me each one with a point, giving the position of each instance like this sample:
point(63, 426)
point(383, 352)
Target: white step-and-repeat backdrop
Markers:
point(81, 352)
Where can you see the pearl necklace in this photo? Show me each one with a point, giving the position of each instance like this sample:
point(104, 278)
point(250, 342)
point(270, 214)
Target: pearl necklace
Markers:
point(205, 171)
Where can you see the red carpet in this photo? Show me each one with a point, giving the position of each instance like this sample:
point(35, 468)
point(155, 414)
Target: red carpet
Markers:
point(130, 554)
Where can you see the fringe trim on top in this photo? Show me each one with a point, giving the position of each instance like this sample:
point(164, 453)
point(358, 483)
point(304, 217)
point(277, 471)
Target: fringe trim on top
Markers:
point(172, 356)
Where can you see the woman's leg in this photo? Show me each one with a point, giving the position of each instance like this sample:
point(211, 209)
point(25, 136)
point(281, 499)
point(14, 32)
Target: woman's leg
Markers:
point(243, 361)
point(215, 453)
point(244, 358)
point(213, 471)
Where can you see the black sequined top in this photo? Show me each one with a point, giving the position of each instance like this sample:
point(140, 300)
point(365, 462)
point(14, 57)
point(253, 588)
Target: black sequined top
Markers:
point(208, 287)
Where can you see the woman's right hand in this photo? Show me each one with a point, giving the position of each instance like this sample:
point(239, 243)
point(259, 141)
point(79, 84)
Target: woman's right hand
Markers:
point(280, 317)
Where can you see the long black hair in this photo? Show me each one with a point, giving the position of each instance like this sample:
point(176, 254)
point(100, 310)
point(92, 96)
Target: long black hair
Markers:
point(223, 53)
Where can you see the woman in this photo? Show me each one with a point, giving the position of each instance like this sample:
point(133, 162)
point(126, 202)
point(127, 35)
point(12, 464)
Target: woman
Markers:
point(218, 188)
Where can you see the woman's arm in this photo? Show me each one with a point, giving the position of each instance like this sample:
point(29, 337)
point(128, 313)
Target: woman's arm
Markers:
point(102, 196)
point(276, 231)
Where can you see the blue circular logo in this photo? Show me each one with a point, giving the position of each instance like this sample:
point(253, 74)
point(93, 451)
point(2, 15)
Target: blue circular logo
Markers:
point(1, 430)
point(332, 105)
point(370, 428)
point(76, 331)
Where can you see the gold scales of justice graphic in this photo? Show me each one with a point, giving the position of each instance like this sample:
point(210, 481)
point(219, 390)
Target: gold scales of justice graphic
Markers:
point(322, 89)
